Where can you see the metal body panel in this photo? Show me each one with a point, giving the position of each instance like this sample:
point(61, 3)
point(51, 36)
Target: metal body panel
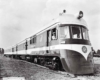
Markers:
point(75, 63)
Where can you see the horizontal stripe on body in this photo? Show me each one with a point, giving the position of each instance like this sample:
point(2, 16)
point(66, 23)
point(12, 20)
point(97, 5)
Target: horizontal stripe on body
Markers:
point(73, 47)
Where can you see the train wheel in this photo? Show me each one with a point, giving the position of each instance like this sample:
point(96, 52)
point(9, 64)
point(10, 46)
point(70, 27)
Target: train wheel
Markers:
point(55, 66)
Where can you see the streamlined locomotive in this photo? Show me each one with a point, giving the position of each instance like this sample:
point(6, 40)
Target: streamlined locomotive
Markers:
point(63, 44)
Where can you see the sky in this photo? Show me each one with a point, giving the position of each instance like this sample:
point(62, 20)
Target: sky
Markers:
point(20, 19)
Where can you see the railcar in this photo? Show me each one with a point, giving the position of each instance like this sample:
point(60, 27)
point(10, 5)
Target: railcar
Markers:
point(63, 44)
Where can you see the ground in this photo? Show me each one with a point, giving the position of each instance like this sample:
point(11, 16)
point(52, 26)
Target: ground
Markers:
point(18, 68)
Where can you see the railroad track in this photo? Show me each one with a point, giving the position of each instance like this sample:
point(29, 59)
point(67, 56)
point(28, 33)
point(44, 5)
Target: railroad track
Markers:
point(57, 71)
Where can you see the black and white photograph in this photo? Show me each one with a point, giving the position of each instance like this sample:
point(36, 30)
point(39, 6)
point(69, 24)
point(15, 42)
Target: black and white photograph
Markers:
point(49, 39)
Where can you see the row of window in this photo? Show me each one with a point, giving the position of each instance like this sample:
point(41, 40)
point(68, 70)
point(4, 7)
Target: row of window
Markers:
point(76, 32)
point(33, 40)
point(52, 36)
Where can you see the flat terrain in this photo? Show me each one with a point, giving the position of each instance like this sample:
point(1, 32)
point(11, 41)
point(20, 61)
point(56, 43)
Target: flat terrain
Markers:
point(18, 68)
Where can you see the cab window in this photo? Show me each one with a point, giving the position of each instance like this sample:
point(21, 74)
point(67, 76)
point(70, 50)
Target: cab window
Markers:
point(76, 32)
point(85, 34)
point(64, 32)
point(54, 34)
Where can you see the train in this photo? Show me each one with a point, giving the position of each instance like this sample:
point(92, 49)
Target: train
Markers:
point(63, 45)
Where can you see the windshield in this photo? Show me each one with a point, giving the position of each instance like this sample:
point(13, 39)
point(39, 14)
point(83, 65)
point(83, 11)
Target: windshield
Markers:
point(74, 32)
point(64, 32)
point(78, 32)
point(85, 34)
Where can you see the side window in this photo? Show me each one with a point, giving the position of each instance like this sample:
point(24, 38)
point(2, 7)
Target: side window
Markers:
point(54, 34)
point(32, 40)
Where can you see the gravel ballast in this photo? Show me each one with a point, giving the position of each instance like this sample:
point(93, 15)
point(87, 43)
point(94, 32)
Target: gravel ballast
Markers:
point(18, 68)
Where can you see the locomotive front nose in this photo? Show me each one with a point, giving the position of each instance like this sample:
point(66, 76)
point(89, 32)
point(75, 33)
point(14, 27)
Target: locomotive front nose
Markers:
point(75, 63)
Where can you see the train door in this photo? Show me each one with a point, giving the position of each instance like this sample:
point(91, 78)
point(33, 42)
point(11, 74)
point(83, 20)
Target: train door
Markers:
point(26, 46)
point(48, 39)
point(54, 36)
point(52, 39)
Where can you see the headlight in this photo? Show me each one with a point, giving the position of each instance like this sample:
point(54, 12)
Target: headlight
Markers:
point(84, 49)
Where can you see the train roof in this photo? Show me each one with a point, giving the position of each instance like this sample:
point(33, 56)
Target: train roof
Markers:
point(64, 19)
point(71, 19)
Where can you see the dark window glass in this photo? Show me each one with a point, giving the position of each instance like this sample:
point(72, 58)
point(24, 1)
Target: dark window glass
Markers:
point(76, 32)
point(54, 34)
point(32, 40)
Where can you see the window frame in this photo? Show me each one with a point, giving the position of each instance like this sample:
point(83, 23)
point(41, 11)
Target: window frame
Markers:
point(56, 33)
point(81, 29)
point(69, 33)
point(86, 34)
point(80, 32)
point(32, 40)
point(70, 30)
